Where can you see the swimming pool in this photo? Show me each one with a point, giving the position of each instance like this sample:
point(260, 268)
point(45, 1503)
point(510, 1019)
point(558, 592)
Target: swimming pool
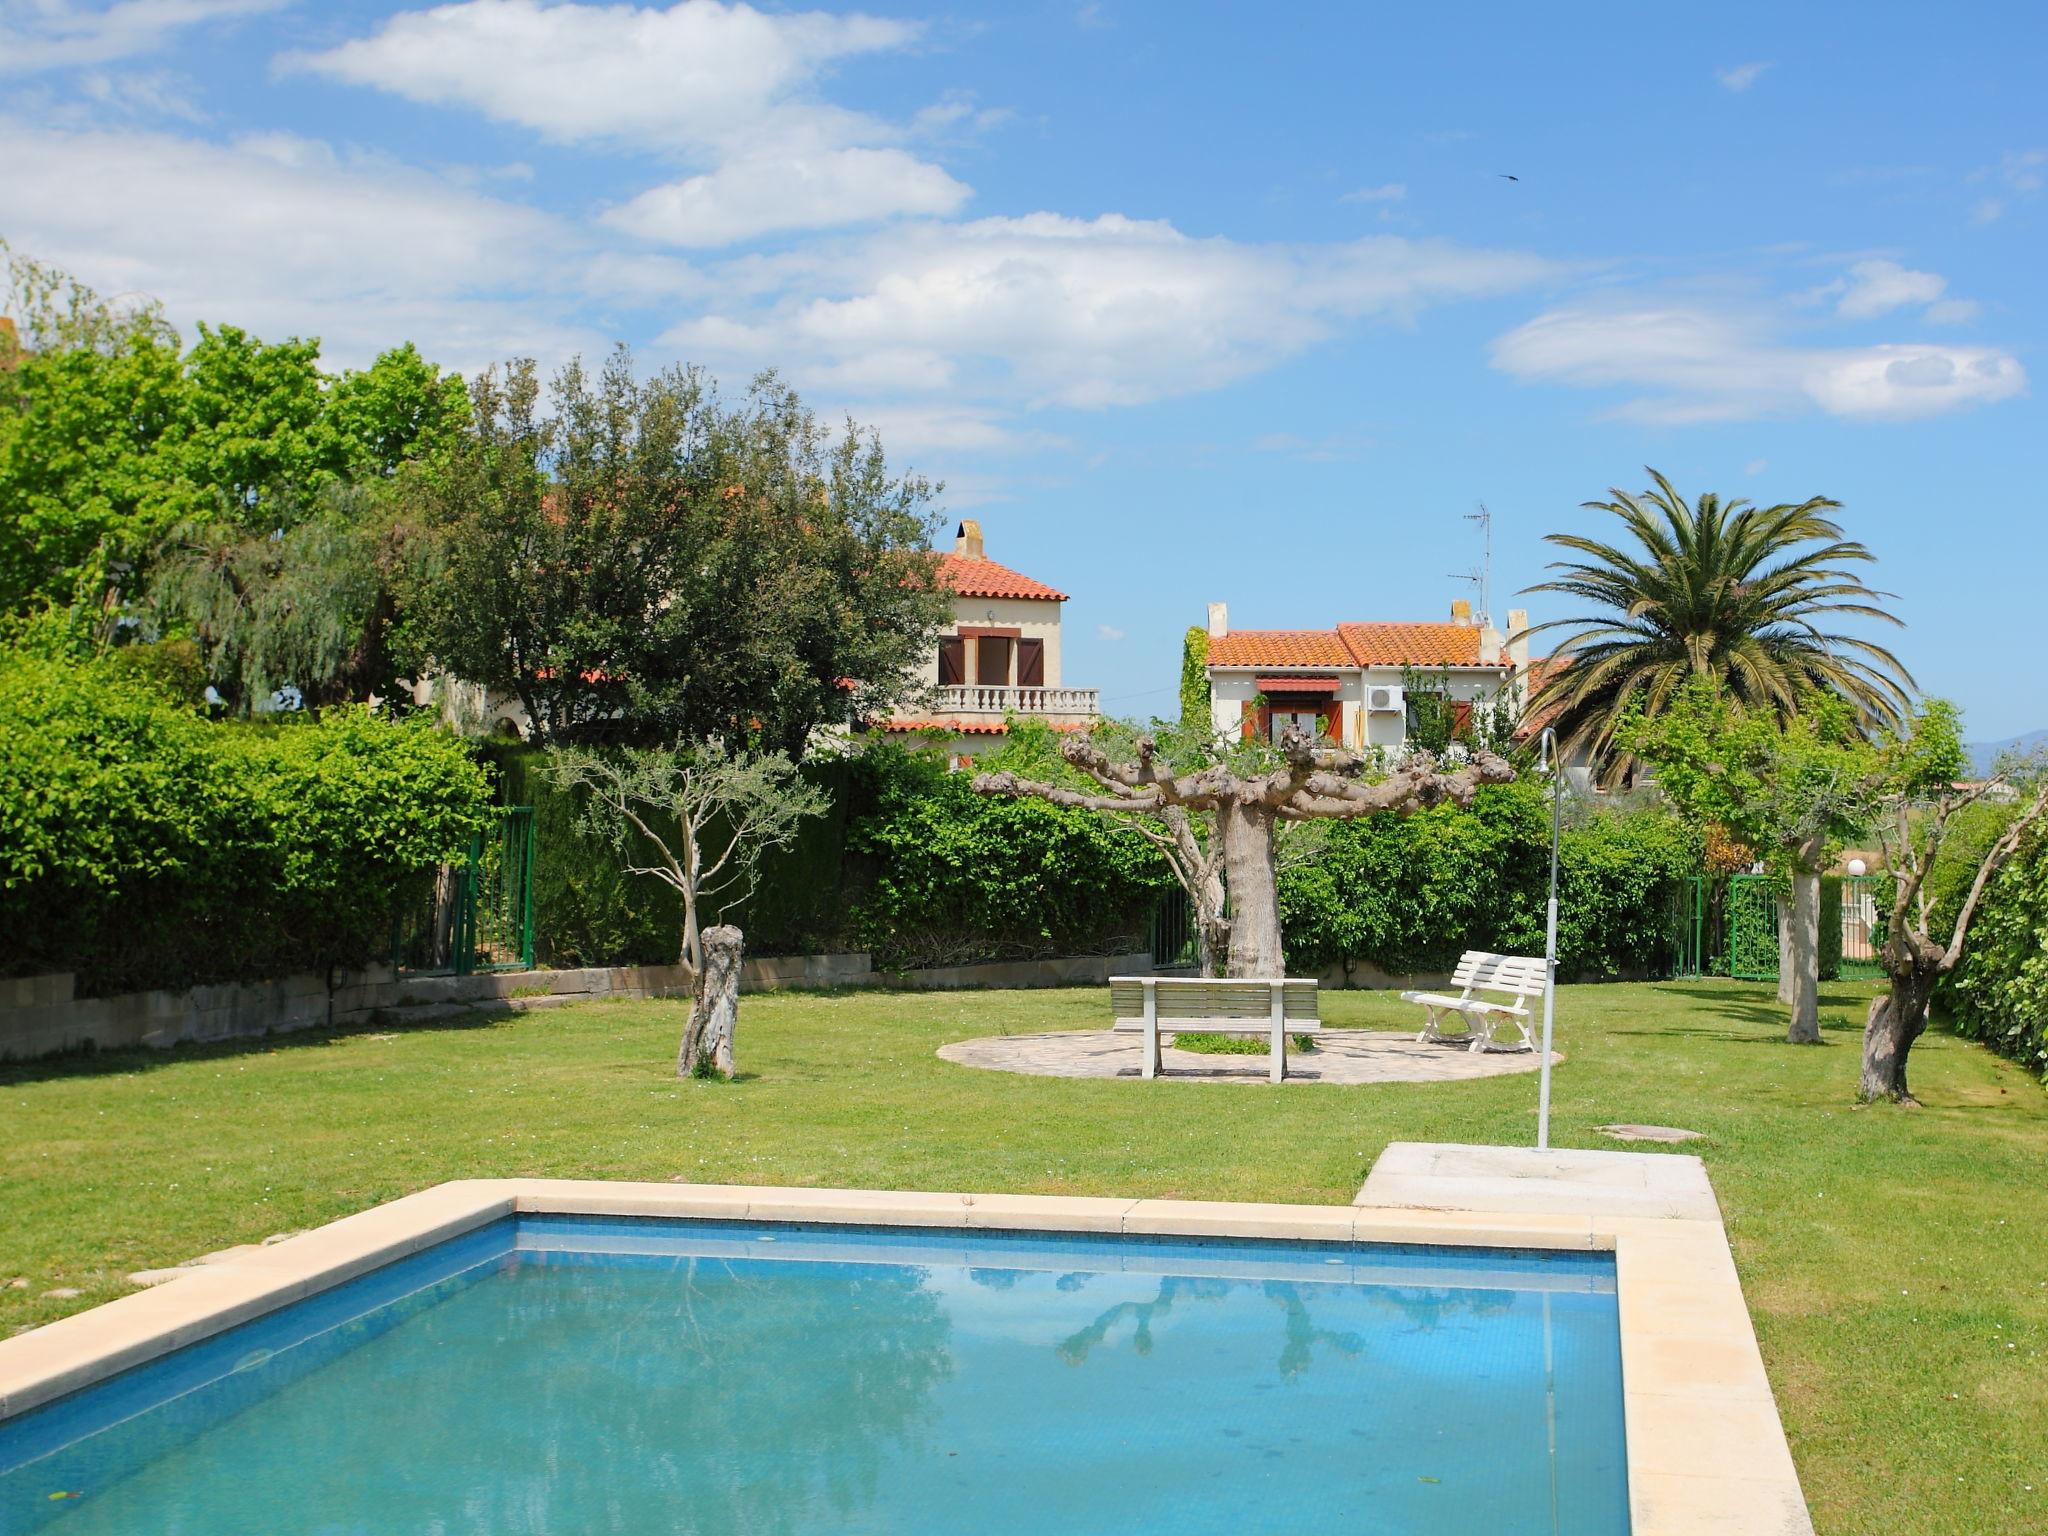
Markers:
point(567, 1374)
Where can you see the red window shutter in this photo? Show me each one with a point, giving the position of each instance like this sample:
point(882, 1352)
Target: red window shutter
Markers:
point(1461, 721)
point(992, 662)
point(1030, 663)
point(952, 661)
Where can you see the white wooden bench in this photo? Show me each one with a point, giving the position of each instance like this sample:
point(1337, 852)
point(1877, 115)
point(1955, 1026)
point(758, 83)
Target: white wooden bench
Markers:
point(1492, 990)
point(1214, 1005)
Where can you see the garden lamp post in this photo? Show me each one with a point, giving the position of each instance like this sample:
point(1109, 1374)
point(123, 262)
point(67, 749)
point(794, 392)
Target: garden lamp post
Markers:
point(1546, 757)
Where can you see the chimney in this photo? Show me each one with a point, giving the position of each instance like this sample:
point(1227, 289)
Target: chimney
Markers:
point(1461, 610)
point(1489, 645)
point(1518, 638)
point(1219, 620)
point(967, 543)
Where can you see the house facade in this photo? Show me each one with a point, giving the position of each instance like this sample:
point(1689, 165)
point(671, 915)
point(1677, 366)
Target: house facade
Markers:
point(1348, 682)
point(1000, 655)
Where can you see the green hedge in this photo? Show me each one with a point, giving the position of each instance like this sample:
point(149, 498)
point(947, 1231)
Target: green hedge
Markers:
point(1999, 994)
point(954, 877)
point(587, 911)
point(143, 846)
point(1411, 893)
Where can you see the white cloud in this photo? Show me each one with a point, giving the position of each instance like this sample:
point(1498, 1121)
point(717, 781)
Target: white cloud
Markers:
point(1987, 210)
point(912, 430)
point(696, 74)
point(1954, 312)
point(755, 196)
point(1756, 466)
point(143, 94)
point(58, 34)
point(1698, 364)
point(1109, 632)
point(1387, 192)
point(727, 88)
point(1045, 309)
point(1740, 77)
point(1879, 287)
point(282, 235)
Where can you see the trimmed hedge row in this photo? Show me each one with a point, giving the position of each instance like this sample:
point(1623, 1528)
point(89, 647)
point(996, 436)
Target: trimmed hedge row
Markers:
point(144, 846)
point(1411, 893)
point(1999, 994)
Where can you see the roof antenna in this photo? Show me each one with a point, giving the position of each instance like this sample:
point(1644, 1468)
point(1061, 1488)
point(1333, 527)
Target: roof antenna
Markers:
point(1481, 576)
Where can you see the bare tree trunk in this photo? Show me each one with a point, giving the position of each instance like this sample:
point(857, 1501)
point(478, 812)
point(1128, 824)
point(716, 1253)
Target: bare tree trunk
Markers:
point(1247, 835)
point(1215, 943)
point(1805, 948)
point(714, 1008)
point(1895, 1022)
point(1785, 966)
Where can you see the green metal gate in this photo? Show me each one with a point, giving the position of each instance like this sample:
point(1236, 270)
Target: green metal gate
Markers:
point(1686, 916)
point(1753, 927)
point(1173, 930)
point(1862, 929)
point(478, 915)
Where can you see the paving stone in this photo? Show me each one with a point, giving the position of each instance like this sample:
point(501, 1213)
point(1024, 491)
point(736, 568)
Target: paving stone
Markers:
point(1342, 1056)
point(1649, 1133)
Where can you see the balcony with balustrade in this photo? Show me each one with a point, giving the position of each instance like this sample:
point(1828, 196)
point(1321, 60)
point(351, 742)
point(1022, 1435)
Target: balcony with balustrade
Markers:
point(991, 702)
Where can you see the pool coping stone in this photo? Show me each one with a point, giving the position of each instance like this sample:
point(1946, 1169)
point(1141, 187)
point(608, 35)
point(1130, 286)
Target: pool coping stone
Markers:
point(1707, 1454)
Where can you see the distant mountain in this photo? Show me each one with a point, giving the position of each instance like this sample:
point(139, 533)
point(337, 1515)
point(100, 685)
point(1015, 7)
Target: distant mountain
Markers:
point(1984, 753)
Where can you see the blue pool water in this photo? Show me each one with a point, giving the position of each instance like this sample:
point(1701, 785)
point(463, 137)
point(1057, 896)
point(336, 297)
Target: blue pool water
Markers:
point(552, 1376)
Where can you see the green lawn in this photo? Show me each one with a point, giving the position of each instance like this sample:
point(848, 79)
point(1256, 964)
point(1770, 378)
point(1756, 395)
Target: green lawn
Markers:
point(1896, 1261)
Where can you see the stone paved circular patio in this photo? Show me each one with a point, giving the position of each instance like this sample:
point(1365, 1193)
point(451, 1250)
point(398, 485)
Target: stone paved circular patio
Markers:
point(1343, 1056)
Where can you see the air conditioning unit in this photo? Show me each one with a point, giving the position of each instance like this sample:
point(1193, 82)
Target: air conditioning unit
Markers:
point(1385, 699)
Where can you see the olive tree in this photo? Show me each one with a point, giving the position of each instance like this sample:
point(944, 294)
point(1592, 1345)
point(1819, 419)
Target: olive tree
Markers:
point(1921, 811)
point(697, 817)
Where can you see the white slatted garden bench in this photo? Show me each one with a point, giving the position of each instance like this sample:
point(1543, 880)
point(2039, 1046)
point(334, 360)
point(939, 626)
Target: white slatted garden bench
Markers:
point(1492, 990)
point(1215, 1005)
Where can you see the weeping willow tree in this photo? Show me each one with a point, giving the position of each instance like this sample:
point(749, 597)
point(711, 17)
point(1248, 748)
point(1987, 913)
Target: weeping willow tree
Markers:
point(1745, 597)
point(308, 608)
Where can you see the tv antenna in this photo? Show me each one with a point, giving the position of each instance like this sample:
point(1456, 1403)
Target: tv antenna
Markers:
point(1481, 576)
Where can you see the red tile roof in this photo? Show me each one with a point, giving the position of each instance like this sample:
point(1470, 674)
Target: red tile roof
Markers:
point(1412, 645)
point(1279, 648)
point(985, 578)
point(1350, 645)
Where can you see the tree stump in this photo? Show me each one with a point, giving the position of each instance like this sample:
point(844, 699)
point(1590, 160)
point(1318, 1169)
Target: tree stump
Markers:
point(715, 1007)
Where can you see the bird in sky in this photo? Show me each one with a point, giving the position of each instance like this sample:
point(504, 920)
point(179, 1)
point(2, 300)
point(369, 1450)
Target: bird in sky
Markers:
point(1504, 176)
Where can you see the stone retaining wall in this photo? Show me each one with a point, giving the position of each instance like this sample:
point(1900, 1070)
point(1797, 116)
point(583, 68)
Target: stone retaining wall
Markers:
point(44, 1016)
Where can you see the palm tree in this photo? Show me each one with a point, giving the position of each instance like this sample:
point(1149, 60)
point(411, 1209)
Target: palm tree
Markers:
point(1727, 590)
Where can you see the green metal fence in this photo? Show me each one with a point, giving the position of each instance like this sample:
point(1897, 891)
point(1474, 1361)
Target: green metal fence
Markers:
point(1173, 930)
point(1753, 927)
point(478, 915)
point(1686, 913)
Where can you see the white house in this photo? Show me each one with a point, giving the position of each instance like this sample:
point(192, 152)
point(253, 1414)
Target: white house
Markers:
point(1000, 655)
point(1350, 678)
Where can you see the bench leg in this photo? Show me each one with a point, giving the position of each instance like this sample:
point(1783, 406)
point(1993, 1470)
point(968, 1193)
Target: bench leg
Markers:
point(1151, 1067)
point(1279, 1035)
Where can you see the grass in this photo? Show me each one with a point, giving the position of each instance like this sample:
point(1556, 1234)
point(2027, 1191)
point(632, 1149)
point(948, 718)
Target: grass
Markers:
point(1896, 1261)
point(1205, 1043)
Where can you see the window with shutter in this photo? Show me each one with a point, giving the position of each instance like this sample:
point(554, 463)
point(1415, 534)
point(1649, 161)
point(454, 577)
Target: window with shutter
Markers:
point(992, 661)
point(1030, 663)
point(952, 661)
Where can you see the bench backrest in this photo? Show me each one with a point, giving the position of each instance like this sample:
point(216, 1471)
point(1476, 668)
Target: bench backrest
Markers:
point(1212, 997)
point(1479, 971)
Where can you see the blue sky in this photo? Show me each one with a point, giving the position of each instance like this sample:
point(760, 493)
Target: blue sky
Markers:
point(1185, 303)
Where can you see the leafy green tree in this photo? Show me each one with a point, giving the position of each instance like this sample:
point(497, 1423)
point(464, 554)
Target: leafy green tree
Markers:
point(309, 610)
point(698, 819)
point(1740, 595)
point(1795, 789)
point(400, 408)
point(89, 408)
point(641, 561)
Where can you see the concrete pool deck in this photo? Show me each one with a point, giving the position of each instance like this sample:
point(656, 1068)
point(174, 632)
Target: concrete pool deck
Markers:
point(1706, 1452)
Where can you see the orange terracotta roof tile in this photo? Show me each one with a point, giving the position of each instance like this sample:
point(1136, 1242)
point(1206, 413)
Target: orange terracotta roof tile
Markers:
point(1279, 648)
point(985, 578)
point(1412, 645)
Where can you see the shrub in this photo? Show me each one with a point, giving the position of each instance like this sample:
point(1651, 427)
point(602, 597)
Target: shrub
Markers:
point(1411, 893)
point(1999, 994)
point(142, 845)
point(957, 877)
